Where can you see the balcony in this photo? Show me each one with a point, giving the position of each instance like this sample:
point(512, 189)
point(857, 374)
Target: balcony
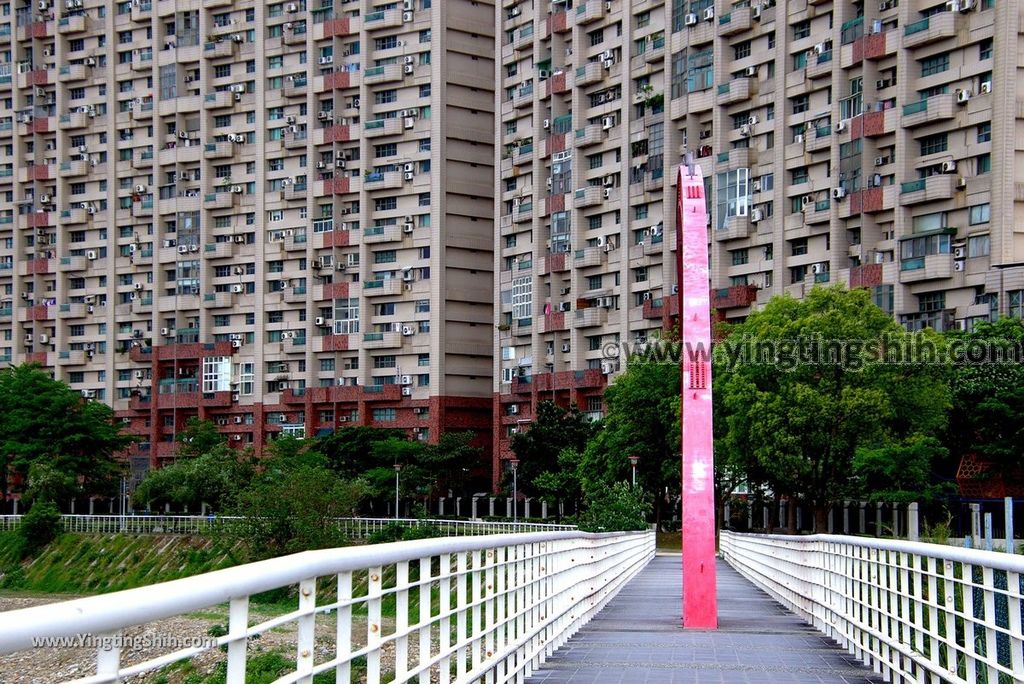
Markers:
point(142, 160)
point(737, 21)
point(589, 256)
point(591, 72)
point(929, 189)
point(819, 212)
point(219, 100)
point(71, 311)
point(523, 37)
point(323, 136)
point(931, 267)
point(73, 120)
point(523, 154)
point(930, 29)
point(522, 97)
point(327, 343)
point(72, 264)
point(218, 49)
point(143, 207)
point(589, 11)
point(736, 90)
point(590, 134)
point(382, 340)
point(142, 11)
point(218, 250)
point(71, 169)
point(738, 158)
point(523, 213)
point(590, 317)
point(219, 200)
point(218, 150)
point(217, 300)
point(733, 297)
point(821, 68)
point(72, 72)
point(588, 197)
point(74, 23)
point(819, 138)
point(736, 228)
point(382, 288)
point(388, 180)
point(378, 234)
point(381, 20)
point(380, 127)
point(295, 86)
point(73, 216)
point(295, 192)
point(935, 108)
point(383, 74)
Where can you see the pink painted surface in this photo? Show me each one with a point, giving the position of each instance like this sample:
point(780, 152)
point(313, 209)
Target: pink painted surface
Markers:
point(700, 604)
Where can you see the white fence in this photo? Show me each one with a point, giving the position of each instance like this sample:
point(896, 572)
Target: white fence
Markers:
point(914, 612)
point(464, 609)
point(355, 528)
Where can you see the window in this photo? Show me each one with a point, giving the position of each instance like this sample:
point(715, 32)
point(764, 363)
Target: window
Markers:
point(700, 71)
point(799, 247)
point(385, 415)
point(928, 302)
point(388, 150)
point(733, 195)
point(739, 257)
point(985, 132)
point(595, 282)
point(422, 306)
point(741, 50)
point(977, 246)
point(801, 103)
point(985, 49)
point(386, 309)
point(596, 37)
point(981, 213)
point(346, 316)
point(801, 29)
point(984, 163)
point(385, 361)
point(933, 144)
point(522, 298)
point(1016, 303)
point(797, 274)
point(935, 64)
point(216, 374)
point(914, 250)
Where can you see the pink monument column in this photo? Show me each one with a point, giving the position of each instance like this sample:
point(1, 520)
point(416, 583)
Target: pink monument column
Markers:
point(700, 605)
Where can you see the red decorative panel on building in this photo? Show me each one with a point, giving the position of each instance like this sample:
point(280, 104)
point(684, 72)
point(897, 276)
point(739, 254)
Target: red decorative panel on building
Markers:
point(340, 186)
point(554, 321)
point(558, 22)
point(866, 275)
point(338, 79)
point(869, 200)
point(40, 125)
point(194, 350)
point(556, 143)
point(653, 311)
point(556, 203)
point(557, 83)
point(337, 134)
point(39, 172)
point(40, 29)
point(38, 266)
point(556, 262)
point(335, 342)
point(36, 357)
point(335, 290)
point(875, 45)
point(858, 52)
point(868, 125)
point(336, 27)
point(39, 312)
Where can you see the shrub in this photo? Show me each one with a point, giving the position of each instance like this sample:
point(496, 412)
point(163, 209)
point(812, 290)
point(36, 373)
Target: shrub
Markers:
point(391, 533)
point(40, 526)
point(618, 508)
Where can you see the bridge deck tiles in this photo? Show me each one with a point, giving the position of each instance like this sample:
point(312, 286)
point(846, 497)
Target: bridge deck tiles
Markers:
point(638, 639)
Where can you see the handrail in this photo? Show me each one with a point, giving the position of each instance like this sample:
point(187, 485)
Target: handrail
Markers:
point(502, 603)
point(917, 611)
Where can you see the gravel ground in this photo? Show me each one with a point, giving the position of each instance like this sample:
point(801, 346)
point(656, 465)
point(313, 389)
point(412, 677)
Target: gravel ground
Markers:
point(50, 665)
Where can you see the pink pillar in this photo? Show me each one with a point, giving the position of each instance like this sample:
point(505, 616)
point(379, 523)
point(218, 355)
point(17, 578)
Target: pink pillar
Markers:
point(700, 605)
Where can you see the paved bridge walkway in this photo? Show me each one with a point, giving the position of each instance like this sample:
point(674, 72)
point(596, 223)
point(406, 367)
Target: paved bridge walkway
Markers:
point(638, 639)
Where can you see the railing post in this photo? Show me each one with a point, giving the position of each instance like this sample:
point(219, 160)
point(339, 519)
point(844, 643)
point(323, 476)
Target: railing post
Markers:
point(895, 521)
point(878, 518)
point(108, 654)
point(402, 617)
point(374, 584)
point(1008, 518)
point(862, 515)
point(306, 627)
point(472, 510)
point(544, 510)
point(490, 501)
point(424, 618)
point(913, 522)
point(846, 517)
point(975, 525)
point(238, 625)
point(343, 633)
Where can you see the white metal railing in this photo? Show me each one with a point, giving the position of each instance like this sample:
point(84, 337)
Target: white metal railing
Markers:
point(454, 609)
point(915, 612)
point(355, 528)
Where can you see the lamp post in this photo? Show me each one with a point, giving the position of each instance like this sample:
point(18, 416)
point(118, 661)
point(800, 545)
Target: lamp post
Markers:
point(515, 488)
point(398, 469)
point(633, 460)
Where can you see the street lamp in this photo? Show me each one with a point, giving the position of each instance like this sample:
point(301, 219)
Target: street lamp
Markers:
point(398, 469)
point(633, 460)
point(515, 487)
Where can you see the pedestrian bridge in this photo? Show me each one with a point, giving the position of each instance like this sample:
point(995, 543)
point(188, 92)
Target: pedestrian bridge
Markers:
point(566, 606)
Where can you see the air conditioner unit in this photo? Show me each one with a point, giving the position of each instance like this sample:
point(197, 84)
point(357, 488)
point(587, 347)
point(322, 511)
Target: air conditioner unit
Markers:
point(756, 215)
point(986, 87)
point(182, 249)
point(607, 63)
point(408, 330)
point(807, 201)
point(327, 59)
point(881, 161)
point(237, 189)
point(690, 20)
point(607, 367)
point(838, 193)
point(237, 289)
point(406, 17)
point(959, 265)
point(750, 71)
point(609, 181)
point(883, 83)
point(405, 380)
point(709, 14)
point(840, 126)
point(91, 255)
point(90, 61)
point(408, 227)
point(746, 130)
point(798, 138)
point(959, 252)
point(44, 199)
point(88, 393)
point(948, 167)
point(607, 123)
point(962, 96)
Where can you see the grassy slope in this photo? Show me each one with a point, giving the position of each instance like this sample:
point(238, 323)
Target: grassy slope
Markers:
point(90, 564)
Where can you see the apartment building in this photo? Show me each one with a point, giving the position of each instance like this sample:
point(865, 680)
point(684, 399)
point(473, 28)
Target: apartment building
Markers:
point(275, 216)
point(869, 143)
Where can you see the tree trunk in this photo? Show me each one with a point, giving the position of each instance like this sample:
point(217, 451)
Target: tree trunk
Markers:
point(821, 518)
point(791, 515)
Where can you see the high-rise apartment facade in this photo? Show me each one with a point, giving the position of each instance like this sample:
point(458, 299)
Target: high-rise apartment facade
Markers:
point(870, 143)
point(274, 216)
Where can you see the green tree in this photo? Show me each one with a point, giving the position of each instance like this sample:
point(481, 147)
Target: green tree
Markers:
point(901, 472)
point(348, 450)
point(564, 482)
point(291, 508)
point(45, 421)
point(213, 478)
point(641, 419)
point(41, 525)
point(618, 508)
point(802, 423)
point(553, 430)
point(47, 483)
point(988, 400)
point(450, 462)
point(199, 437)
